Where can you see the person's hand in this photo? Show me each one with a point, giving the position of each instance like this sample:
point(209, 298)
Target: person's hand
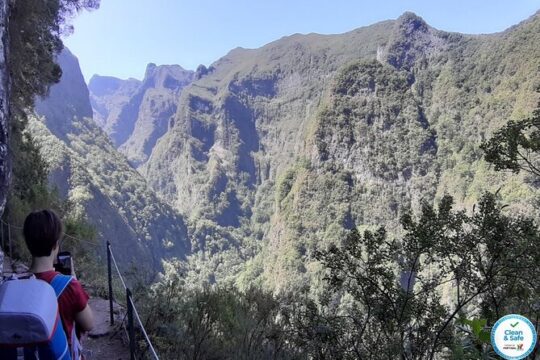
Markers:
point(72, 266)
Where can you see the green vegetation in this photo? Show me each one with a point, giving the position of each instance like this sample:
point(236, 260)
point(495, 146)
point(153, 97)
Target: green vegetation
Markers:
point(385, 117)
point(413, 294)
point(516, 146)
point(410, 293)
point(35, 28)
point(218, 322)
point(99, 182)
point(278, 156)
point(315, 150)
point(30, 190)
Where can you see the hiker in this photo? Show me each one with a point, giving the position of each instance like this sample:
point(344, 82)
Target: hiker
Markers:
point(42, 233)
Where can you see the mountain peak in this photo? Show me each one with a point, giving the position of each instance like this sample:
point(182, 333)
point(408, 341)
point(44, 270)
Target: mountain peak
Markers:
point(409, 23)
point(75, 89)
point(162, 75)
point(150, 68)
point(103, 84)
point(106, 85)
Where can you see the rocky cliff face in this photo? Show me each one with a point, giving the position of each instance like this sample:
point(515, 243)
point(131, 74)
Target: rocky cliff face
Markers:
point(4, 107)
point(90, 172)
point(244, 122)
point(108, 95)
point(277, 151)
point(136, 114)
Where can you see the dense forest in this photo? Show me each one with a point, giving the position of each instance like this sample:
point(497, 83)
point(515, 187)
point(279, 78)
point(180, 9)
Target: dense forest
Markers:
point(369, 195)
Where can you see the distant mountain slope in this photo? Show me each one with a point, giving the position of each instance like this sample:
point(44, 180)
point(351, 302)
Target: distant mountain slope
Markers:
point(135, 114)
point(276, 151)
point(245, 121)
point(108, 95)
point(89, 171)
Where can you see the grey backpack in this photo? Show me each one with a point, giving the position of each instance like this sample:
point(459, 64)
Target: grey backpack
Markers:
point(29, 319)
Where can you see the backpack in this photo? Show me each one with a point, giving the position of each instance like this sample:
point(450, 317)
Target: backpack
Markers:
point(30, 319)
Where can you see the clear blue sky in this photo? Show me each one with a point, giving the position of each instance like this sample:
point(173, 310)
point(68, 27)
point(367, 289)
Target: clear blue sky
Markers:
point(121, 37)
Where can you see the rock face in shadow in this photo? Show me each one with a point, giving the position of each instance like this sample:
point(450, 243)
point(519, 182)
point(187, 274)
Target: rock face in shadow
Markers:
point(91, 173)
point(5, 169)
point(135, 113)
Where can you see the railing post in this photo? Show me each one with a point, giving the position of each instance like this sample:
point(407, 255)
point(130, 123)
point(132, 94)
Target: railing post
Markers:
point(2, 234)
point(109, 270)
point(131, 329)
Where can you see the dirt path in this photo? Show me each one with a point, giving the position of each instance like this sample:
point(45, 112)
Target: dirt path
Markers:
point(105, 341)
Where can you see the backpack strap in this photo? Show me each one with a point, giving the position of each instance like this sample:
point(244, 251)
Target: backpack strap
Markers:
point(60, 282)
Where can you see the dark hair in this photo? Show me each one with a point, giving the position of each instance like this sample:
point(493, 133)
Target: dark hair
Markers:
point(42, 230)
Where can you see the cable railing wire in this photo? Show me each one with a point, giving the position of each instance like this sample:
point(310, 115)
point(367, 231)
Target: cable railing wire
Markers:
point(13, 226)
point(132, 312)
point(150, 346)
point(65, 235)
point(80, 240)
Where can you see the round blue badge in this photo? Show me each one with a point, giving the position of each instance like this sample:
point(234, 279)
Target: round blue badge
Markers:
point(513, 337)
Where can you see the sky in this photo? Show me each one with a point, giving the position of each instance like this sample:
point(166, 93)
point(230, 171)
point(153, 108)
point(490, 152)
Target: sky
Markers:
point(123, 36)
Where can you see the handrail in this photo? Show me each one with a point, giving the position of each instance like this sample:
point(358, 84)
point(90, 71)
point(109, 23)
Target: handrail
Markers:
point(131, 308)
point(143, 330)
point(13, 226)
point(66, 235)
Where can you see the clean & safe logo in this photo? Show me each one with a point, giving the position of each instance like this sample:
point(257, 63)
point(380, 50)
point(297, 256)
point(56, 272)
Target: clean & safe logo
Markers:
point(513, 337)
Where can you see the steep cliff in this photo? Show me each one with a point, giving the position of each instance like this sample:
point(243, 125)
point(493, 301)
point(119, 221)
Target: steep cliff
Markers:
point(246, 120)
point(4, 106)
point(275, 152)
point(136, 114)
point(108, 95)
point(89, 171)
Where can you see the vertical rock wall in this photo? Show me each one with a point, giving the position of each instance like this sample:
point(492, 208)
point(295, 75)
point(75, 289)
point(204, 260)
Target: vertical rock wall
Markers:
point(5, 168)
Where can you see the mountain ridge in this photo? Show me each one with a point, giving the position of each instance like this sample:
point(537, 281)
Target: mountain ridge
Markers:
point(104, 188)
point(136, 113)
point(275, 152)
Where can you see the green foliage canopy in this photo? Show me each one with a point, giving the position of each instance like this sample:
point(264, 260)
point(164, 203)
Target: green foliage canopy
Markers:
point(483, 261)
point(35, 27)
point(516, 146)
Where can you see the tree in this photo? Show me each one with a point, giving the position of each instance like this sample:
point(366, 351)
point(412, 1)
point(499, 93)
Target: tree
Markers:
point(516, 146)
point(35, 28)
point(478, 260)
point(217, 322)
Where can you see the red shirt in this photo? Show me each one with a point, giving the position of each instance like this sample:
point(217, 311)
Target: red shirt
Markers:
point(72, 301)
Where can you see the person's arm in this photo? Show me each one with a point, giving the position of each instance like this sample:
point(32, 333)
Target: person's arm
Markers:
point(85, 319)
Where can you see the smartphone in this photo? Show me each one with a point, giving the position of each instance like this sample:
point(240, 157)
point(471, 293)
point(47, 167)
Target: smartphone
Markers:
point(64, 264)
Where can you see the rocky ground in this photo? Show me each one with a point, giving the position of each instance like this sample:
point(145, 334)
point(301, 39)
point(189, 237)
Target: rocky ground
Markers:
point(105, 341)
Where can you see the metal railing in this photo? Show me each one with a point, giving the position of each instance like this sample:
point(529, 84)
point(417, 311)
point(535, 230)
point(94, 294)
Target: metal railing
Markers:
point(132, 312)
